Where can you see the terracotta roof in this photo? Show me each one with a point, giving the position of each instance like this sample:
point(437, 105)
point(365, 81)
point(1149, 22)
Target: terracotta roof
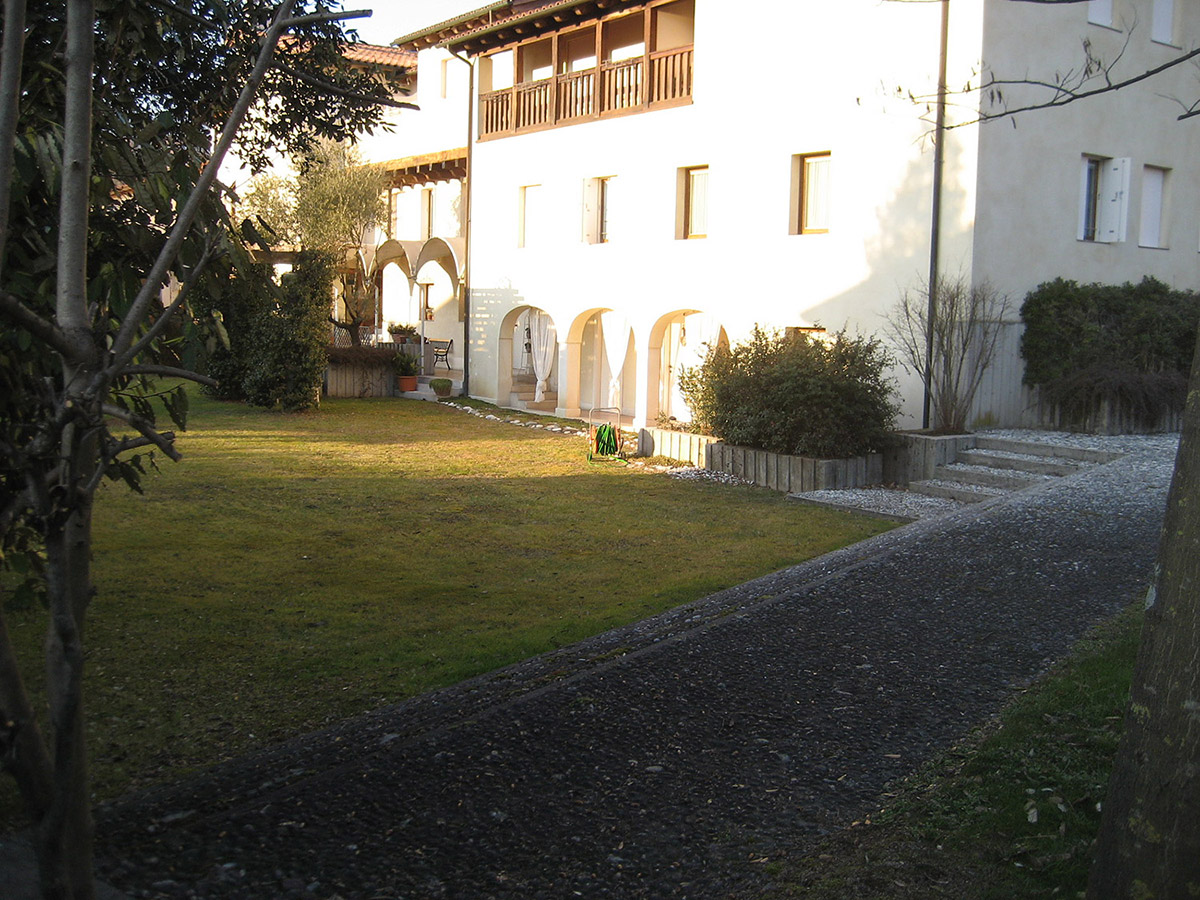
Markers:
point(374, 54)
point(368, 54)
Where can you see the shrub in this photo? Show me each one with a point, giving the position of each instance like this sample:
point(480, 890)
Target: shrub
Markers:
point(404, 364)
point(795, 395)
point(290, 342)
point(242, 303)
point(1125, 344)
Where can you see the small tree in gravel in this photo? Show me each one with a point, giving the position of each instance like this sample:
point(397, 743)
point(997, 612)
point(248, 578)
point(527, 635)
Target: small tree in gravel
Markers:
point(948, 336)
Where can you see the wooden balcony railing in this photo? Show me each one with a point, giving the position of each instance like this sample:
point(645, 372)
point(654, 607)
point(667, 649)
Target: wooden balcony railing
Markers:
point(613, 88)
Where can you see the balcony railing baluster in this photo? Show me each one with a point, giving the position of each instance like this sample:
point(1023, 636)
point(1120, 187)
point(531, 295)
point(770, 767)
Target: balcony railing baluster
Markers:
point(625, 85)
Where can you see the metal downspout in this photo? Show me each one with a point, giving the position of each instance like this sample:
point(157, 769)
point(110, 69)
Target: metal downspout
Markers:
point(467, 183)
point(935, 226)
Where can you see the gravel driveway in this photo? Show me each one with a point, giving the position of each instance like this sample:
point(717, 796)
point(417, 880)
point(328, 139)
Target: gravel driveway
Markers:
point(676, 757)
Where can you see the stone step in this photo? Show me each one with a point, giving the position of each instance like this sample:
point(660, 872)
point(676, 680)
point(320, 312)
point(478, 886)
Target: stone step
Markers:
point(983, 477)
point(953, 490)
point(1031, 448)
point(1042, 466)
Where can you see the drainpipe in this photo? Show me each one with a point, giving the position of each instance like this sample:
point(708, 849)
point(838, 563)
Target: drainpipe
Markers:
point(935, 226)
point(466, 278)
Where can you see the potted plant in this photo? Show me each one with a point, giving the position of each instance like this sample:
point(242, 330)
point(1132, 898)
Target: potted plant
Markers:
point(441, 386)
point(401, 333)
point(406, 368)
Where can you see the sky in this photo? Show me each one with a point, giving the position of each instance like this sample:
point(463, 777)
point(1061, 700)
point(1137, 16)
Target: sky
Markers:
point(393, 18)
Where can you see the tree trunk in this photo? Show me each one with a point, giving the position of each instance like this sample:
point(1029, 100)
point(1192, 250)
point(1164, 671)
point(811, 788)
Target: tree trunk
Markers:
point(64, 835)
point(1149, 844)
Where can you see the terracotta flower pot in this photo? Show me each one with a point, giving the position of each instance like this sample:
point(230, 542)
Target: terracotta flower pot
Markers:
point(405, 383)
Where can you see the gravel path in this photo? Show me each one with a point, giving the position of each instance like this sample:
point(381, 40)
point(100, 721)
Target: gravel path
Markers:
point(678, 756)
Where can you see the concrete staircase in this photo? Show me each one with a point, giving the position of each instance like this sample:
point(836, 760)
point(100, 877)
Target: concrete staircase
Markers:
point(524, 388)
point(995, 466)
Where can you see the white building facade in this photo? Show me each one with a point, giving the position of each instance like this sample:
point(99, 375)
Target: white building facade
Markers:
point(596, 191)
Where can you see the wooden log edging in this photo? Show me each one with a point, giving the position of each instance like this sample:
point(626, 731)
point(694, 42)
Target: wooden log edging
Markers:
point(778, 471)
point(794, 474)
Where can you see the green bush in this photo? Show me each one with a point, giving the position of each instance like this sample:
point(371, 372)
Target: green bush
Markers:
point(1128, 344)
point(795, 395)
point(241, 303)
point(290, 343)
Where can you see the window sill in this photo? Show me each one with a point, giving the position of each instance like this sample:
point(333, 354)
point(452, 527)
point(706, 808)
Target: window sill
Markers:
point(1152, 247)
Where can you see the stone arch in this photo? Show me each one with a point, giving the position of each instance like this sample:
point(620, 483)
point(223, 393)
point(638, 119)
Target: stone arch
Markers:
point(668, 336)
point(509, 358)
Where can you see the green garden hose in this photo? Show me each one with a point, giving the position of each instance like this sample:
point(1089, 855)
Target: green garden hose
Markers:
point(606, 440)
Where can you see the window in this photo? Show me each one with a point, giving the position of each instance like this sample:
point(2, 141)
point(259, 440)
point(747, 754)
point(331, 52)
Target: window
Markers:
point(1104, 194)
point(529, 215)
point(426, 213)
point(691, 213)
point(1100, 12)
point(1154, 181)
point(810, 193)
point(1162, 28)
point(597, 206)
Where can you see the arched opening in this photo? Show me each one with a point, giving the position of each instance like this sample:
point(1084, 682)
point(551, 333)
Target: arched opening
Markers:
point(679, 340)
point(528, 376)
point(607, 365)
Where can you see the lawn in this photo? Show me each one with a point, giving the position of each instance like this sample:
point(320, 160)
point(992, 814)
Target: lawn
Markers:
point(297, 569)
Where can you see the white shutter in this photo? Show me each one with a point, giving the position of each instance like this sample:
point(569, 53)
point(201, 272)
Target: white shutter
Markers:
point(1113, 214)
point(1150, 228)
point(1162, 28)
point(1100, 12)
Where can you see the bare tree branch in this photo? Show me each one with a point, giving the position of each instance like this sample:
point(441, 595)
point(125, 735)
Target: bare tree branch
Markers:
point(330, 88)
point(120, 361)
point(20, 315)
point(164, 441)
point(170, 372)
point(74, 206)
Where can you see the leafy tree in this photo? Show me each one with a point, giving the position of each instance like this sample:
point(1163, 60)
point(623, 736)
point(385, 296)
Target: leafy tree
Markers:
point(270, 204)
point(330, 206)
point(101, 205)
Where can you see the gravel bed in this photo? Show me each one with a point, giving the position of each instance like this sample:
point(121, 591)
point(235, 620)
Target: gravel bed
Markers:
point(679, 756)
point(890, 502)
point(1118, 443)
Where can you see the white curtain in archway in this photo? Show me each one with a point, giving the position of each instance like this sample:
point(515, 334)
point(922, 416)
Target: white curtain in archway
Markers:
point(616, 330)
point(698, 332)
point(544, 338)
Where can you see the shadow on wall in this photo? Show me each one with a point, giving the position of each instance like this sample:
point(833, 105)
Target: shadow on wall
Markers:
point(897, 259)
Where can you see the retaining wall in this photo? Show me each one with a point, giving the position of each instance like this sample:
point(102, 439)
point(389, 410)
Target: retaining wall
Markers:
point(780, 472)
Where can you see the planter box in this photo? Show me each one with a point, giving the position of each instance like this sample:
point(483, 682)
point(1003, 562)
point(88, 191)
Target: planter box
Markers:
point(780, 472)
point(681, 445)
point(794, 474)
point(358, 381)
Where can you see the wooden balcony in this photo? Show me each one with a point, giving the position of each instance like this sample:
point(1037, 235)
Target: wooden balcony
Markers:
point(614, 88)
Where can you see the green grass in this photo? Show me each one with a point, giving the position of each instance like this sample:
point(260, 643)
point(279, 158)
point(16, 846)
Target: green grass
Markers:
point(297, 569)
point(1012, 812)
